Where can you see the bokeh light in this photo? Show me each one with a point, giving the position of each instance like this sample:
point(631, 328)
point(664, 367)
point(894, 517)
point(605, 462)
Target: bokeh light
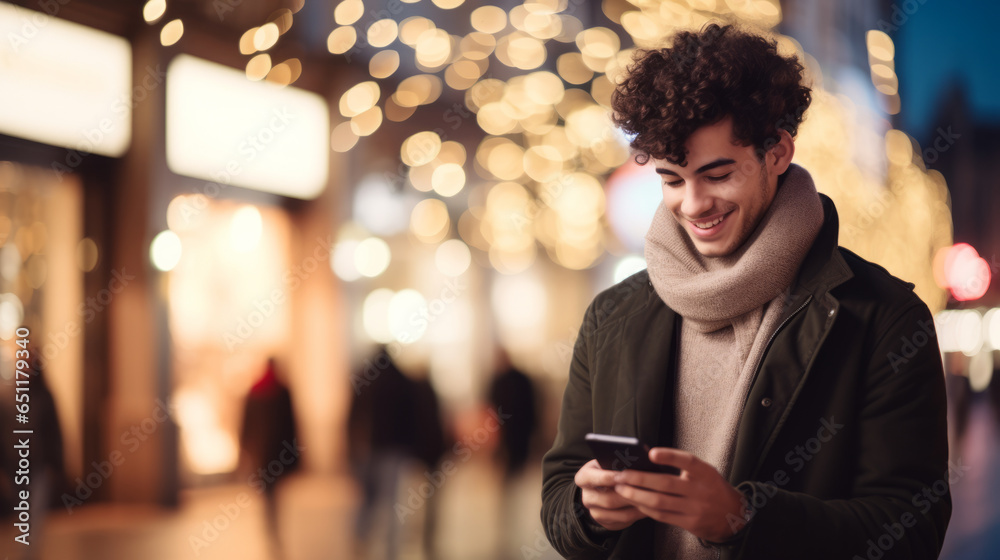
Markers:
point(246, 229)
point(153, 10)
point(372, 257)
point(452, 257)
point(165, 251)
point(171, 32)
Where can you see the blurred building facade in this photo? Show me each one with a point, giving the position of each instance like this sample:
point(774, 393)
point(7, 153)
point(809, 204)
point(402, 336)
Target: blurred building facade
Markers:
point(150, 360)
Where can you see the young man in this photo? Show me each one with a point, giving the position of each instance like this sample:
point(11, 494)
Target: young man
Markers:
point(797, 387)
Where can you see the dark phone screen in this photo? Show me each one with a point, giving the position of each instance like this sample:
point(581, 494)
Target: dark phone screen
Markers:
point(618, 453)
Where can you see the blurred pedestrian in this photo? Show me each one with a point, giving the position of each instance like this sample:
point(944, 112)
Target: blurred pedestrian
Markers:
point(381, 433)
point(269, 443)
point(429, 447)
point(46, 478)
point(512, 395)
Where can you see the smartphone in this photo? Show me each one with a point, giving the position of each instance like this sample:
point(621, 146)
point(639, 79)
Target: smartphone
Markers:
point(617, 453)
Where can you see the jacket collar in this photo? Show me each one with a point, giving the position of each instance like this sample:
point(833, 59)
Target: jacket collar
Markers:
point(823, 267)
point(786, 365)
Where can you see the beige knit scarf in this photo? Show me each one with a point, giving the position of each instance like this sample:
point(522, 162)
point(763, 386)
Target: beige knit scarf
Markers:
point(730, 306)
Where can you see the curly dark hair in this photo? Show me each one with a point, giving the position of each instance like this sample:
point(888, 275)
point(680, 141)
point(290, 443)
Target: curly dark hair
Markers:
point(703, 77)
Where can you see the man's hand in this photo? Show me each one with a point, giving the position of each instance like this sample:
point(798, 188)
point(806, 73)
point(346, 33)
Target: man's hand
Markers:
point(608, 509)
point(699, 500)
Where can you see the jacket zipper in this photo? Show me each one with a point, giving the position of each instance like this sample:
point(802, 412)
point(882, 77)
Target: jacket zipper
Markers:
point(760, 363)
point(767, 347)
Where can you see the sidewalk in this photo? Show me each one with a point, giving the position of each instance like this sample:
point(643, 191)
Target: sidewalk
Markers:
point(316, 519)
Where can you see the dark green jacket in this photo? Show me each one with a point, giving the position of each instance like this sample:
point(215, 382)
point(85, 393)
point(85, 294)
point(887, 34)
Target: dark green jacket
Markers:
point(842, 442)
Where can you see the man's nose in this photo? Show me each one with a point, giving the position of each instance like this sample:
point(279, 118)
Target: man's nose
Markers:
point(697, 202)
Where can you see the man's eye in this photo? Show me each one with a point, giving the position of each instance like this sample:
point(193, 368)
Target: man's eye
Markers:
point(720, 178)
point(674, 183)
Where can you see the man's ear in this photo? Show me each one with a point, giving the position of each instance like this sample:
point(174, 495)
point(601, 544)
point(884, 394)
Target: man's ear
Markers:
point(779, 157)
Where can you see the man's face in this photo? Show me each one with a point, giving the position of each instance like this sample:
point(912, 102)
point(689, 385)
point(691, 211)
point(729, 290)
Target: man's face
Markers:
point(721, 194)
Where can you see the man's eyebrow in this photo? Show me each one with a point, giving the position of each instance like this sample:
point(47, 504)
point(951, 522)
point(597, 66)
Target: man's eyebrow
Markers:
point(707, 167)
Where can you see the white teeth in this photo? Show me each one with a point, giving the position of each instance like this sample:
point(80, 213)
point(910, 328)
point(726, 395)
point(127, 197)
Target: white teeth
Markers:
point(706, 225)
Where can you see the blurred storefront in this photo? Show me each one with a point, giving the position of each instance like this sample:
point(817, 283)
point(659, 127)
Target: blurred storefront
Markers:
point(166, 228)
point(60, 143)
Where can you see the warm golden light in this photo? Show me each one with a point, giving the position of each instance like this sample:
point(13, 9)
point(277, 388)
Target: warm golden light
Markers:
point(382, 32)
point(418, 90)
point(383, 64)
point(543, 88)
point(403, 307)
point(366, 123)
point(375, 315)
point(258, 67)
point(489, 19)
point(411, 28)
point(452, 257)
point(372, 257)
point(421, 177)
point(644, 29)
point(246, 41)
point(341, 39)
point(397, 113)
point(462, 74)
point(483, 92)
point(87, 254)
point(888, 89)
point(348, 12)
point(421, 148)
point(898, 148)
point(210, 110)
point(883, 71)
point(433, 48)
point(598, 43)
point(429, 220)
point(448, 179)
point(506, 161)
point(153, 10)
point(290, 70)
point(520, 50)
point(572, 69)
point(280, 74)
point(171, 32)
point(165, 251)
point(477, 45)
point(359, 98)
point(494, 119)
point(208, 448)
point(265, 37)
point(452, 152)
point(245, 229)
point(549, 144)
point(343, 138)
point(283, 19)
point(543, 163)
point(880, 45)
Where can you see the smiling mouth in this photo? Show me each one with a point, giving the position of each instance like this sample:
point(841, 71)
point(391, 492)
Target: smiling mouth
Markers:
point(712, 223)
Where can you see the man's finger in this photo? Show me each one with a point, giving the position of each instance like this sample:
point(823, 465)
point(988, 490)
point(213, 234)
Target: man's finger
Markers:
point(591, 475)
point(656, 482)
point(673, 457)
point(642, 497)
point(606, 499)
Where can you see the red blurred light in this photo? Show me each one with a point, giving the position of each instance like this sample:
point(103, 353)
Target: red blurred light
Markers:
point(966, 274)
